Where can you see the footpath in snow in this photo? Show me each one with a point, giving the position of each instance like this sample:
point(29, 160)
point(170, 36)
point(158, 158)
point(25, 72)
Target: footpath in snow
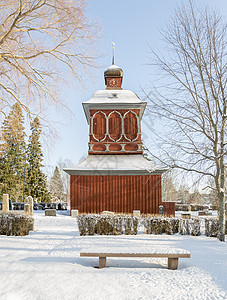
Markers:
point(46, 265)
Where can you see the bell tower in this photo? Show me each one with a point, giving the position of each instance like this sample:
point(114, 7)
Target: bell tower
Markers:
point(114, 117)
point(115, 176)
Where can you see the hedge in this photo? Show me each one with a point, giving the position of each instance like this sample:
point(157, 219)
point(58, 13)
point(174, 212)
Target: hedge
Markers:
point(15, 224)
point(90, 224)
point(107, 224)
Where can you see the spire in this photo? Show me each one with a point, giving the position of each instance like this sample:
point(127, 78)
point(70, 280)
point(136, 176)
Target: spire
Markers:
point(113, 44)
point(113, 75)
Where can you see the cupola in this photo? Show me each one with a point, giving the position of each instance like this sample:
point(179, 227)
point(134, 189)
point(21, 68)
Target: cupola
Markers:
point(113, 77)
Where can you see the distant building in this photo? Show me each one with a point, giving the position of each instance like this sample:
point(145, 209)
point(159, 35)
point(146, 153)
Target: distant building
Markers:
point(115, 176)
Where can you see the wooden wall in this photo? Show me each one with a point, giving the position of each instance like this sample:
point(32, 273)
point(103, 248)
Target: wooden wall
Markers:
point(115, 132)
point(169, 208)
point(118, 193)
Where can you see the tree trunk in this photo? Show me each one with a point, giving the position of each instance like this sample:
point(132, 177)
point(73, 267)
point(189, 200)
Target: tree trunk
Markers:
point(221, 191)
point(221, 216)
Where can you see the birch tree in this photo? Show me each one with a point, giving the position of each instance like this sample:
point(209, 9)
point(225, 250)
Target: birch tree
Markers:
point(191, 104)
point(39, 41)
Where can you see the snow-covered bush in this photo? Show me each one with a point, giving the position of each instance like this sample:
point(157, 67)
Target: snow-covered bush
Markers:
point(82, 224)
point(159, 225)
point(90, 224)
point(184, 227)
point(190, 226)
point(169, 226)
point(130, 225)
point(176, 222)
point(15, 224)
point(211, 227)
point(104, 225)
point(195, 227)
point(146, 221)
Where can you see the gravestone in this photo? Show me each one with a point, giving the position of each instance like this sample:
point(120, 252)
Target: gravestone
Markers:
point(106, 212)
point(136, 213)
point(27, 209)
point(161, 210)
point(74, 213)
point(29, 200)
point(50, 212)
point(5, 203)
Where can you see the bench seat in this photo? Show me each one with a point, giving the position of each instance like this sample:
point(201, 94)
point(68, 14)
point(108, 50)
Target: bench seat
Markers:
point(172, 256)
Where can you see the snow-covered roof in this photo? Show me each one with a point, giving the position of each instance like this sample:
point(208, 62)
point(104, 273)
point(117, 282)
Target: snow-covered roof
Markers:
point(125, 164)
point(112, 99)
point(114, 96)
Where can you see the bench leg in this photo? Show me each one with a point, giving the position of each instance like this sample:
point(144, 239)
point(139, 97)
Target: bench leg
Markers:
point(172, 263)
point(102, 262)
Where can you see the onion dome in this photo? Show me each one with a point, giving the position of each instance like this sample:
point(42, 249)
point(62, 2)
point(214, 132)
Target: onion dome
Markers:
point(113, 77)
point(113, 71)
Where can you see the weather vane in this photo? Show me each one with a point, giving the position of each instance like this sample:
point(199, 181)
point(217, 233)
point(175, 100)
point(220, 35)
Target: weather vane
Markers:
point(113, 44)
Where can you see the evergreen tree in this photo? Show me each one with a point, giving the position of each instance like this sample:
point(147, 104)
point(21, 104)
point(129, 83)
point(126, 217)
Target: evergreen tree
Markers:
point(56, 184)
point(64, 163)
point(12, 162)
point(36, 182)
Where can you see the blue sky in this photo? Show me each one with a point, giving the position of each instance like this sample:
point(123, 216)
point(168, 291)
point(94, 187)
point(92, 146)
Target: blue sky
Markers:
point(133, 26)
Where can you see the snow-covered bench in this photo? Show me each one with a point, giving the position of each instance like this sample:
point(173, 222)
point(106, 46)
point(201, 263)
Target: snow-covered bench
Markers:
point(172, 254)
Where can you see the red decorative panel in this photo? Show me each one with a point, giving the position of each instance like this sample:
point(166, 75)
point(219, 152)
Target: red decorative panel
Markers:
point(118, 193)
point(115, 125)
point(99, 147)
point(114, 82)
point(115, 147)
point(130, 126)
point(131, 147)
point(128, 141)
point(99, 126)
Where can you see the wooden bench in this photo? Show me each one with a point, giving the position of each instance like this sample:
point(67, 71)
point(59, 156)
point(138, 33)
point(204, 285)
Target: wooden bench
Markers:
point(172, 257)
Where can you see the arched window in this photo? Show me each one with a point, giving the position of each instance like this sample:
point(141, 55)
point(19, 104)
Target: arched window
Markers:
point(115, 125)
point(130, 125)
point(99, 126)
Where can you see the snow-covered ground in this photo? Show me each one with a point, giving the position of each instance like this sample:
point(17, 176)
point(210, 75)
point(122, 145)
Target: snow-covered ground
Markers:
point(46, 265)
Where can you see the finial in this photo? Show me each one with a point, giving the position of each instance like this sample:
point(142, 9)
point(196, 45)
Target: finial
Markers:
point(113, 44)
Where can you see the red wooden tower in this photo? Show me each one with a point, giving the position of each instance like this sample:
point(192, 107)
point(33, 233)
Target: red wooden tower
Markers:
point(115, 176)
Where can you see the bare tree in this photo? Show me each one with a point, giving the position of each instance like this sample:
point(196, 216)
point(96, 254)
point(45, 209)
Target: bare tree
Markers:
point(65, 163)
point(169, 191)
point(39, 41)
point(191, 104)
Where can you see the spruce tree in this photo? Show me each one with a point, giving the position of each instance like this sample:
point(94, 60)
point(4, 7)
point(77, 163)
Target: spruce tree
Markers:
point(13, 154)
point(36, 181)
point(56, 184)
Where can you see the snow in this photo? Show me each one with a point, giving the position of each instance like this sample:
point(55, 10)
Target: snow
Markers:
point(113, 66)
point(113, 99)
point(115, 164)
point(46, 264)
point(157, 250)
point(115, 96)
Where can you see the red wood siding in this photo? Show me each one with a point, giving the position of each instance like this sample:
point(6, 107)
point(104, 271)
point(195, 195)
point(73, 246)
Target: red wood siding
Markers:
point(169, 208)
point(122, 194)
